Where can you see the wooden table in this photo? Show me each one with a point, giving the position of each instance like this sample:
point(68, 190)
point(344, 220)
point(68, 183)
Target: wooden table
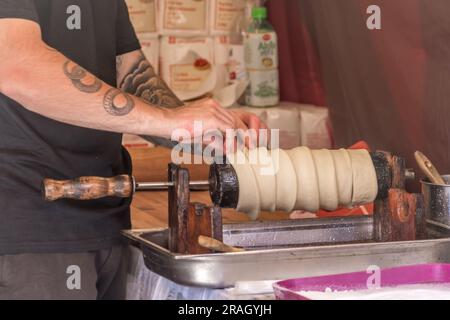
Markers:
point(150, 210)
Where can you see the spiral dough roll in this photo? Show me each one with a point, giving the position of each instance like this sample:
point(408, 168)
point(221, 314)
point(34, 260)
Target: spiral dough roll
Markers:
point(303, 179)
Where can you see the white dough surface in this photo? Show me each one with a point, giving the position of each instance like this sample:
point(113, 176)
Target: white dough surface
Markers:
point(365, 184)
point(286, 181)
point(307, 183)
point(326, 176)
point(303, 179)
point(248, 188)
point(344, 176)
point(261, 163)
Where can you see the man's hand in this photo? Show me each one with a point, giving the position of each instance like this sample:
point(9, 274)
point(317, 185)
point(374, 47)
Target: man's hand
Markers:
point(211, 115)
point(214, 117)
point(253, 122)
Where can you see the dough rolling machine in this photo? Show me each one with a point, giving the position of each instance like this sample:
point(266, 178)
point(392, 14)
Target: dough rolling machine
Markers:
point(394, 236)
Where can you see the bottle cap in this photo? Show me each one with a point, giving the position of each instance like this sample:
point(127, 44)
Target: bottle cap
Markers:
point(259, 13)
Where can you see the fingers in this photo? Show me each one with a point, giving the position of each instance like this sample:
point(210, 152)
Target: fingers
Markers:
point(226, 114)
point(230, 120)
point(253, 122)
point(208, 110)
point(214, 116)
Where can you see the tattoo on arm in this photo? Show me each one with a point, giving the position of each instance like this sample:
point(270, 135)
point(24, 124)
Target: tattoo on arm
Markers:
point(79, 76)
point(142, 81)
point(111, 105)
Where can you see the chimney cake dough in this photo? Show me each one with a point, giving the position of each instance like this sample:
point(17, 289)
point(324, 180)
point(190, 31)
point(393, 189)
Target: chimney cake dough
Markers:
point(265, 177)
point(326, 178)
point(248, 188)
point(365, 185)
point(344, 176)
point(303, 179)
point(286, 192)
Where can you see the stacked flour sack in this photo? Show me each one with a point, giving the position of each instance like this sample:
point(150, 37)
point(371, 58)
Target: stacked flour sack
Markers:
point(143, 15)
point(303, 179)
point(193, 44)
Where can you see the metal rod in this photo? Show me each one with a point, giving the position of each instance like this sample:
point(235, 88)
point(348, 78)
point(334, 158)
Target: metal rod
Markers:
point(153, 186)
point(410, 174)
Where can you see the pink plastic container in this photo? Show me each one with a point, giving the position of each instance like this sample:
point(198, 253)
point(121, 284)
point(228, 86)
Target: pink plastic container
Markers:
point(408, 275)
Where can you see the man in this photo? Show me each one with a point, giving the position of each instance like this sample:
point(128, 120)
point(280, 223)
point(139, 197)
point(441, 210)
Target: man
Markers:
point(67, 92)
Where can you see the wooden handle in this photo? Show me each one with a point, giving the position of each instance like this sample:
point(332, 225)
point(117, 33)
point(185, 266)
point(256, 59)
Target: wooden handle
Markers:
point(88, 188)
point(213, 244)
point(428, 168)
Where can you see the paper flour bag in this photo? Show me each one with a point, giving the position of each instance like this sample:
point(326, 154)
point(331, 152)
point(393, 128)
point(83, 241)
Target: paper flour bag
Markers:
point(150, 48)
point(232, 57)
point(187, 66)
point(183, 17)
point(229, 95)
point(225, 14)
point(316, 133)
point(143, 15)
point(221, 57)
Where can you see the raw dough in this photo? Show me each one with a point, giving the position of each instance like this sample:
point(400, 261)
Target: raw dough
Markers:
point(286, 181)
point(307, 186)
point(301, 179)
point(326, 177)
point(261, 163)
point(248, 188)
point(344, 176)
point(365, 184)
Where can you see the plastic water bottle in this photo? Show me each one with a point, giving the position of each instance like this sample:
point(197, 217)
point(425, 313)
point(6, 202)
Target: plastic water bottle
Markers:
point(236, 66)
point(261, 60)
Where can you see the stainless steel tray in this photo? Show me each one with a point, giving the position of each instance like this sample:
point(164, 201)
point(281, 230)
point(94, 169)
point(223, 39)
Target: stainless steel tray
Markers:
point(285, 249)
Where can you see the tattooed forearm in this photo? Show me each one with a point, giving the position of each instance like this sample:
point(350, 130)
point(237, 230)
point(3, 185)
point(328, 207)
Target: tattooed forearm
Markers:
point(81, 79)
point(142, 81)
point(113, 107)
point(115, 102)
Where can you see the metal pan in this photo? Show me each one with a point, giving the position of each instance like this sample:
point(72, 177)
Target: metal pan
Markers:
point(294, 252)
point(437, 203)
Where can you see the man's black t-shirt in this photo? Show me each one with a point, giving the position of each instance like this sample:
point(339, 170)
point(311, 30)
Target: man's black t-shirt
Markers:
point(33, 147)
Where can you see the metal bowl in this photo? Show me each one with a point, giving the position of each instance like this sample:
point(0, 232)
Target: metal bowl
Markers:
point(437, 202)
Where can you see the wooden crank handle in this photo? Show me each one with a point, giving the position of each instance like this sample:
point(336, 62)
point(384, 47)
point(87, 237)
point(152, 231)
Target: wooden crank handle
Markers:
point(213, 244)
point(88, 188)
point(428, 168)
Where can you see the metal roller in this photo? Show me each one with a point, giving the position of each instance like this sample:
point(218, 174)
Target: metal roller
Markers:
point(224, 184)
